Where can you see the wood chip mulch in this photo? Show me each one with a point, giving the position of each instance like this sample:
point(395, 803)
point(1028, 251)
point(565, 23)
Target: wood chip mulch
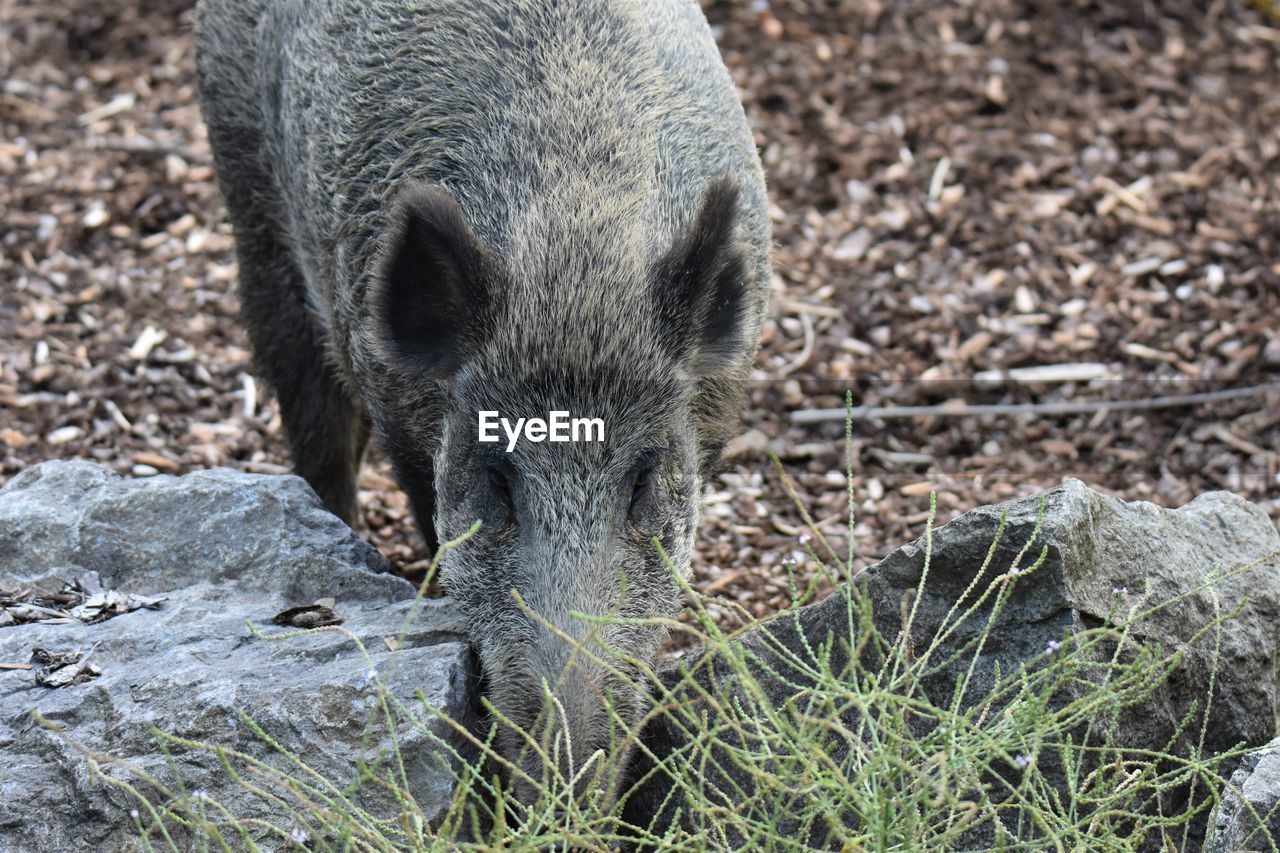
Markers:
point(961, 192)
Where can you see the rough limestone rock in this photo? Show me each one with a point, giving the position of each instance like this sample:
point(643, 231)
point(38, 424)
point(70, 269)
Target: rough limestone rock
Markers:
point(1107, 555)
point(1103, 554)
point(1255, 785)
point(224, 549)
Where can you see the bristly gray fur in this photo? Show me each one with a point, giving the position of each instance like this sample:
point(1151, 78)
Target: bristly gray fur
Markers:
point(581, 144)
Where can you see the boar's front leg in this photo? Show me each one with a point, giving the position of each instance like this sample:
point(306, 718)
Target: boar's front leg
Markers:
point(327, 430)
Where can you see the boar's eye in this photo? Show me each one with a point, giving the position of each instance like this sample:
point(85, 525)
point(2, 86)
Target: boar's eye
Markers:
point(642, 479)
point(499, 493)
point(640, 486)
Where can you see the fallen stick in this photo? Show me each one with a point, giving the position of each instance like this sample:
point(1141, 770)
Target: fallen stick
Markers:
point(142, 145)
point(814, 416)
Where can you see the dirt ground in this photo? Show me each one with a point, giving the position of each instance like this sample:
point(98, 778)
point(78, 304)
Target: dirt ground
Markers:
point(961, 191)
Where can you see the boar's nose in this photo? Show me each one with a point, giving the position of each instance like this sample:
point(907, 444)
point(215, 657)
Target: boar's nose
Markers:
point(574, 722)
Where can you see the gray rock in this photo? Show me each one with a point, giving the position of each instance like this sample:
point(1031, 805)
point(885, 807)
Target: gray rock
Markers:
point(1254, 794)
point(1107, 555)
point(1097, 547)
point(225, 549)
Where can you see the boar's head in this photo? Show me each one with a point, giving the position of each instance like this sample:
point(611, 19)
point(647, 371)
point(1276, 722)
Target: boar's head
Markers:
point(600, 318)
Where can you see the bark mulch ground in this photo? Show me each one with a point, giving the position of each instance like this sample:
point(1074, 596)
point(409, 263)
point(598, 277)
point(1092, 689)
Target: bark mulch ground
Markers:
point(989, 202)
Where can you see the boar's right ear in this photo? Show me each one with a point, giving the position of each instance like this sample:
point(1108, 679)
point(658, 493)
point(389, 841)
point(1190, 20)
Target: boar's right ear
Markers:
point(702, 289)
point(432, 294)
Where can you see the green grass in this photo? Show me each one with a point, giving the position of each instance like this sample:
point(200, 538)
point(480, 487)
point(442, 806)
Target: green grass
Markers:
point(859, 755)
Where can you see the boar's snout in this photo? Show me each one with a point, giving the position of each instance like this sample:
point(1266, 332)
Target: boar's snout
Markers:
point(571, 709)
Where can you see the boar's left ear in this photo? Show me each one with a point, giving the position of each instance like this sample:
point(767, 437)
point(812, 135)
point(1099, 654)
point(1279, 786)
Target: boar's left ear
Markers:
point(702, 290)
point(432, 297)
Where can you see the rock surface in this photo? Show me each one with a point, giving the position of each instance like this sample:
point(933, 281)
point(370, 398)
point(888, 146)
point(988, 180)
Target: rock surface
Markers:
point(225, 549)
point(1254, 786)
point(1106, 555)
point(1103, 555)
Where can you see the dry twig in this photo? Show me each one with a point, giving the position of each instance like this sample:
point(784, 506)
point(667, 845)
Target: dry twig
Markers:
point(1084, 407)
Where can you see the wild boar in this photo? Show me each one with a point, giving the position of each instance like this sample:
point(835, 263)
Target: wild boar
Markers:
point(448, 207)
